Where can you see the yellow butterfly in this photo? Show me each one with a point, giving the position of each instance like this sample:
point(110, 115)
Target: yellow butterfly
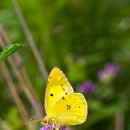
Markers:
point(62, 105)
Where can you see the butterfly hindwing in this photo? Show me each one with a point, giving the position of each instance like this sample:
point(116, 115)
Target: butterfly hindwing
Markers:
point(73, 109)
point(57, 87)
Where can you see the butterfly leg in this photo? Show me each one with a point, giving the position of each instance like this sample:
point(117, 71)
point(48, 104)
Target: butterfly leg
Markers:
point(58, 126)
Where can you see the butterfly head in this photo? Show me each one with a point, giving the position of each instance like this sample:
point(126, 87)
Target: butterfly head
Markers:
point(48, 120)
point(44, 121)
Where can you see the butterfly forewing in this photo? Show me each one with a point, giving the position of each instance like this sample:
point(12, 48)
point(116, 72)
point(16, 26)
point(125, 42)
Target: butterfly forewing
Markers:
point(57, 87)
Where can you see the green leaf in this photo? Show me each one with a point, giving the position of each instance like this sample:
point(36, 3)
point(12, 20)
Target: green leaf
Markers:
point(7, 51)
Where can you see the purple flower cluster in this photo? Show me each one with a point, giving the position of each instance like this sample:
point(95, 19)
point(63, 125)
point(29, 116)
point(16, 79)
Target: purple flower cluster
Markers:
point(48, 127)
point(109, 71)
point(87, 87)
point(51, 127)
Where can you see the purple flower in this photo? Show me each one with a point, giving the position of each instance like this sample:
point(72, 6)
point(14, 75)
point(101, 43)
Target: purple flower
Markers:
point(63, 128)
point(43, 128)
point(48, 127)
point(87, 87)
point(52, 126)
point(109, 71)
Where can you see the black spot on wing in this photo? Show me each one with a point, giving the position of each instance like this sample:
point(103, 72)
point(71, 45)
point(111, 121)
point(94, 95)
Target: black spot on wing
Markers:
point(51, 94)
point(63, 98)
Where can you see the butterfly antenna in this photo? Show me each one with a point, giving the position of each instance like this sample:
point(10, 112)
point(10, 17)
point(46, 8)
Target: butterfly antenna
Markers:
point(33, 120)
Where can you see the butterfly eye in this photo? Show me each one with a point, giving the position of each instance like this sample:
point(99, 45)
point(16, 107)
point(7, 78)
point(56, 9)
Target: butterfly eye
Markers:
point(44, 121)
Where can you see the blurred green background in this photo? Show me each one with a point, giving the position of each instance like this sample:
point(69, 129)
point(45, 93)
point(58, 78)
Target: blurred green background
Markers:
point(89, 40)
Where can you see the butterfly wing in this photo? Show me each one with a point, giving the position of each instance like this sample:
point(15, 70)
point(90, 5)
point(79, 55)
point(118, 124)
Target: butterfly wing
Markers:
point(71, 109)
point(57, 87)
